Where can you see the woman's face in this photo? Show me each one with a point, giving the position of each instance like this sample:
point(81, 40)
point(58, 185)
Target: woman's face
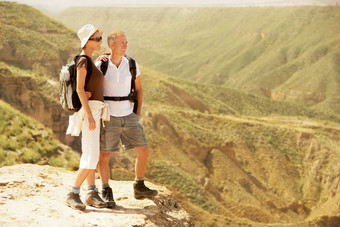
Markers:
point(95, 41)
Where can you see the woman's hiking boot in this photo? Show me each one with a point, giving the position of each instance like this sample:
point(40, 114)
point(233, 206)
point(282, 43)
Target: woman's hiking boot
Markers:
point(142, 192)
point(73, 200)
point(107, 195)
point(93, 199)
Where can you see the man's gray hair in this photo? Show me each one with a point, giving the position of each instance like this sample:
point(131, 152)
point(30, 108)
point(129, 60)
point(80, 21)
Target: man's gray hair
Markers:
point(113, 35)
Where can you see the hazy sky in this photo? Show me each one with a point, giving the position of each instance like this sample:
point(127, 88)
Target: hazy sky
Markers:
point(55, 6)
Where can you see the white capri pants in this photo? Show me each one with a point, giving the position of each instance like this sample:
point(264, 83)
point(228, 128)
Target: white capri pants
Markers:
point(90, 140)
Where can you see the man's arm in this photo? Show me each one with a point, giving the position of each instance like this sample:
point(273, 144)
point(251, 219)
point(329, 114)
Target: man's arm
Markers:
point(139, 94)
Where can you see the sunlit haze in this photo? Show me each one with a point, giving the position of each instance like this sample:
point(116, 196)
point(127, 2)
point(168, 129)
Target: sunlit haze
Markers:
point(55, 6)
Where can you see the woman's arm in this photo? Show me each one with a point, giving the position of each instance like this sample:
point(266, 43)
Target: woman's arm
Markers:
point(81, 75)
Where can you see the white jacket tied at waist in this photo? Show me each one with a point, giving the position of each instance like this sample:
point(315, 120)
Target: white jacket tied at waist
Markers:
point(76, 119)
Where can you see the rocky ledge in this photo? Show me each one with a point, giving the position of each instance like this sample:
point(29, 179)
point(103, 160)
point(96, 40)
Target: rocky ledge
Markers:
point(35, 195)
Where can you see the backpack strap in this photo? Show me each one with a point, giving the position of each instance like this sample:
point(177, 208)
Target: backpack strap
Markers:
point(132, 96)
point(133, 68)
point(133, 71)
point(104, 64)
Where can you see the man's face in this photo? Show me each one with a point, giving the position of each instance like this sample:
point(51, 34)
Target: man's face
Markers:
point(119, 46)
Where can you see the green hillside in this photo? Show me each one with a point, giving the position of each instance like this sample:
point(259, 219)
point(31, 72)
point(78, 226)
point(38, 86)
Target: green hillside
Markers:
point(168, 92)
point(286, 53)
point(24, 140)
point(33, 40)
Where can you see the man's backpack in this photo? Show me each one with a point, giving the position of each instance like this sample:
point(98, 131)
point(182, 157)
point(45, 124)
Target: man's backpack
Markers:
point(69, 98)
point(132, 97)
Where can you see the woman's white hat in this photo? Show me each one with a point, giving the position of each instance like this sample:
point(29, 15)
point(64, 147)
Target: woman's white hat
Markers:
point(85, 32)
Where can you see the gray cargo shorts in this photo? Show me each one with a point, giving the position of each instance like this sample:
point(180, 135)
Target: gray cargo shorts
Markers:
point(126, 129)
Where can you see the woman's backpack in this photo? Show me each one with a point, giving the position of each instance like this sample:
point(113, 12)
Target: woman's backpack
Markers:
point(69, 98)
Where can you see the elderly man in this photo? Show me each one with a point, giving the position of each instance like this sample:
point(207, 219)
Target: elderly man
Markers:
point(124, 122)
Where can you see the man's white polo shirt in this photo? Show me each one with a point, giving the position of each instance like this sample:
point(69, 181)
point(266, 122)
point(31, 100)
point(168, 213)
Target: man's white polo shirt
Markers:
point(117, 83)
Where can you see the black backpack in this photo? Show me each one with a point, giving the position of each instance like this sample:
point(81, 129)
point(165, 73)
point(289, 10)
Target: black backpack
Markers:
point(69, 98)
point(132, 97)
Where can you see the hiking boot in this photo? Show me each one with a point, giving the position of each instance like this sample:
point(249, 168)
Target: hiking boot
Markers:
point(108, 197)
point(93, 199)
point(142, 192)
point(73, 200)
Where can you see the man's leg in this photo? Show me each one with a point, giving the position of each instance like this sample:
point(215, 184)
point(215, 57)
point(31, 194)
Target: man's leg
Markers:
point(140, 190)
point(133, 136)
point(141, 161)
point(103, 167)
point(104, 172)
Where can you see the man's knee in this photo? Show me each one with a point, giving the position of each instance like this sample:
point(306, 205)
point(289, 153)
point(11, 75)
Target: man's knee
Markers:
point(144, 151)
point(104, 158)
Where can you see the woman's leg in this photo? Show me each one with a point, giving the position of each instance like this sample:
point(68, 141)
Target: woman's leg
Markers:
point(91, 146)
point(91, 177)
point(81, 176)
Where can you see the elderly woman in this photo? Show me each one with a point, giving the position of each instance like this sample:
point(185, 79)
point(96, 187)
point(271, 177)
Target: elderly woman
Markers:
point(92, 101)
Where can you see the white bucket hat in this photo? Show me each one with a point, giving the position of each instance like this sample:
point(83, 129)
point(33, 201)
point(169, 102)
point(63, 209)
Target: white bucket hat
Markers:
point(85, 32)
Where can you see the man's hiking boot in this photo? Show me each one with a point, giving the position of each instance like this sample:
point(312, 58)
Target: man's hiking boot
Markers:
point(107, 195)
point(142, 192)
point(93, 199)
point(73, 200)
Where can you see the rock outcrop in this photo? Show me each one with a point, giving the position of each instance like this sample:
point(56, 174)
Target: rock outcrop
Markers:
point(35, 195)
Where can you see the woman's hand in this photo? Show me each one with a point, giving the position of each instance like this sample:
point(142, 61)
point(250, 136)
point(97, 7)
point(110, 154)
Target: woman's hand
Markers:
point(92, 123)
point(88, 94)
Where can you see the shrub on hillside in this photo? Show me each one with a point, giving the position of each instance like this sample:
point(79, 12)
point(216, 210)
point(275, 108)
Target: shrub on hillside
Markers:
point(30, 156)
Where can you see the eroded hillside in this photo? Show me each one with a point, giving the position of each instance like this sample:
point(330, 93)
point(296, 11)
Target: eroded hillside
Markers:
point(36, 96)
point(230, 157)
point(247, 170)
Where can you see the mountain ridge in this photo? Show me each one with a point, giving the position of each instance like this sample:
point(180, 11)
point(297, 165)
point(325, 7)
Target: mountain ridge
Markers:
point(269, 51)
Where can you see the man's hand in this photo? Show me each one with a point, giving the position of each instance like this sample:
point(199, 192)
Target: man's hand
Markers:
point(103, 57)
